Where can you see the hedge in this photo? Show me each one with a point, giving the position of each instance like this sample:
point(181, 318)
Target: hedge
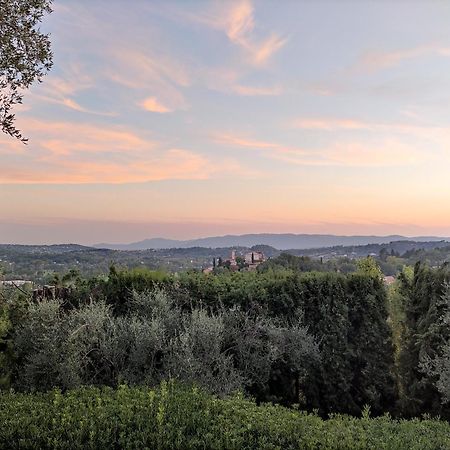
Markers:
point(178, 417)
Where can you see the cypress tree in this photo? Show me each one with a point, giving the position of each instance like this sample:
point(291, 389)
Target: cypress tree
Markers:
point(370, 344)
point(423, 338)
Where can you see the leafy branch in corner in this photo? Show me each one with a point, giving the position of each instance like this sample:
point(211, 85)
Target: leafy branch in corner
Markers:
point(25, 55)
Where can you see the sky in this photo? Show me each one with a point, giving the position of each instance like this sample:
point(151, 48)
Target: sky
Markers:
point(198, 118)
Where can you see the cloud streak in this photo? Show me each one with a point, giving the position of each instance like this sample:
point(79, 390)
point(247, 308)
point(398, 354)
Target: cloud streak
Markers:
point(71, 153)
point(250, 91)
point(230, 81)
point(237, 21)
point(372, 61)
point(159, 78)
point(239, 25)
point(387, 152)
point(439, 135)
point(63, 90)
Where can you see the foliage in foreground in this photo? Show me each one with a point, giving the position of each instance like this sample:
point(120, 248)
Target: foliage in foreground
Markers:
point(173, 417)
point(25, 55)
point(156, 340)
point(321, 340)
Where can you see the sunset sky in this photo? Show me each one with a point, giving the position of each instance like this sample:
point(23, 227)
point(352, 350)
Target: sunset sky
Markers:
point(194, 118)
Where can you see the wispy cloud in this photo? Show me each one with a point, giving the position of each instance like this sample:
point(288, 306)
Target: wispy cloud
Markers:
point(232, 81)
point(239, 24)
point(153, 105)
point(437, 134)
point(370, 62)
point(373, 60)
point(244, 141)
point(138, 61)
point(237, 20)
point(74, 153)
point(156, 75)
point(264, 51)
point(386, 152)
point(256, 90)
point(64, 89)
point(330, 124)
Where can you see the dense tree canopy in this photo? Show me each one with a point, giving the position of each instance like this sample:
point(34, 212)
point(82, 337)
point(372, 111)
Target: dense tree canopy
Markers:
point(25, 54)
point(426, 335)
point(323, 340)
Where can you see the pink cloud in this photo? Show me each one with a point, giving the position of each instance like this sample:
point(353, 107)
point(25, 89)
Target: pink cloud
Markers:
point(228, 80)
point(137, 59)
point(240, 141)
point(237, 20)
point(65, 152)
point(63, 90)
point(144, 73)
point(264, 51)
point(439, 135)
point(377, 60)
point(256, 90)
point(387, 152)
point(239, 24)
point(329, 124)
point(153, 105)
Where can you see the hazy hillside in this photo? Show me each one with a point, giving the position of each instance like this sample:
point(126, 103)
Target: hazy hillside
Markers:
point(279, 241)
point(397, 247)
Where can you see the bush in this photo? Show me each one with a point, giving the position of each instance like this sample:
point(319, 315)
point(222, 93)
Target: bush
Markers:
point(155, 340)
point(177, 417)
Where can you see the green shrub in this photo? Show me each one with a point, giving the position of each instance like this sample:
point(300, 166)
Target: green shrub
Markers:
point(179, 417)
point(156, 340)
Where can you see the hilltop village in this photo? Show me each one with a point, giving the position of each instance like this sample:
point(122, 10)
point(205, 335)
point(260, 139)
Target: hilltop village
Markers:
point(246, 262)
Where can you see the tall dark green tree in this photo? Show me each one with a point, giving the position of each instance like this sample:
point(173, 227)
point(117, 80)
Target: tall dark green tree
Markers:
point(323, 298)
point(424, 337)
point(370, 349)
point(438, 367)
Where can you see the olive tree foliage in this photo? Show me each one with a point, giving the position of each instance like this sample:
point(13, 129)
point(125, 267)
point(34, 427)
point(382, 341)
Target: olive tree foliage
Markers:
point(150, 328)
point(90, 345)
point(198, 355)
point(260, 344)
point(248, 339)
point(224, 351)
point(25, 55)
point(233, 349)
point(294, 347)
point(40, 347)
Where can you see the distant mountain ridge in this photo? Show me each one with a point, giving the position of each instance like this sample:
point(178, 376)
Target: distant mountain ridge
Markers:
point(283, 241)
